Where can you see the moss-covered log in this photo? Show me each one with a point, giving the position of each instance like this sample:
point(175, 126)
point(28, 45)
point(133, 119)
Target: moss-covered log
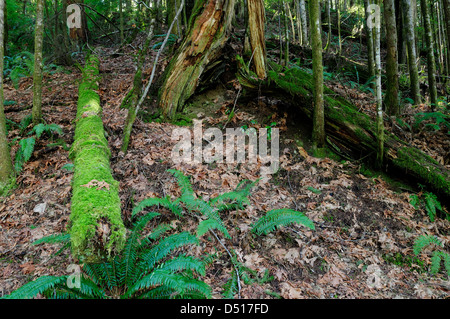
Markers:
point(96, 228)
point(347, 129)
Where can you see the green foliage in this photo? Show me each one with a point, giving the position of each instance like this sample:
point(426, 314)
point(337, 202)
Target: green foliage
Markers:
point(280, 217)
point(23, 154)
point(434, 121)
point(50, 129)
point(430, 202)
point(19, 66)
point(437, 255)
point(170, 41)
point(148, 267)
point(26, 145)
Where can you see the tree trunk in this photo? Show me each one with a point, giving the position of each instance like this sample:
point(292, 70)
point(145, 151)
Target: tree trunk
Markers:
point(131, 100)
point(207, 33)
point(431, 62)
point(380, 123)
point(37, 75)
point(391, 101)
point(447, 24)
point(318, 134)
point(96, 229)
point(370, 49)
point(328, 12)
point(412, 56)
point(6, 168)
point(256, 22)
point(304, 19)
point(350, 132)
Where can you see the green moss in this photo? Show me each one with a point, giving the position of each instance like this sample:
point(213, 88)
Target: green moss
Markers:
point(96, 227)
point(414, 161)
point(5, 188)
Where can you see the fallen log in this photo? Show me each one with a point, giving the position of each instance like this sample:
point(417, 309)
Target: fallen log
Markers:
point(96, 227)
point(348, 130)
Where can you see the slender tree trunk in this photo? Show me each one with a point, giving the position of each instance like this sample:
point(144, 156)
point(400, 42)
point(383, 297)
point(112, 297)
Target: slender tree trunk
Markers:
point(38, 67)
point(446, 4)
point(339, 26)
point(206, 35)
point(172, 7)
point(256, 21)
point(6, 168)
point(304, 19)
point(370, 48)
point(286, 35)
point(122, 37)
point(391, 100)
point(327, 8)
point(380, 122)
point(318, 134)
point(412, 56)
point(132, 98)
point(430, 54)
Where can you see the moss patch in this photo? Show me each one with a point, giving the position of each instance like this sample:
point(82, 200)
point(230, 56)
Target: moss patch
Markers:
point(96, 227)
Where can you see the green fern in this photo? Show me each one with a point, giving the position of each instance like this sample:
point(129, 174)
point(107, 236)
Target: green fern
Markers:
point(149, 267)
point(437, 255)
point(163, 202)
point(23, 154)
point(50, 129)
point(430, 202)
point(280, 217)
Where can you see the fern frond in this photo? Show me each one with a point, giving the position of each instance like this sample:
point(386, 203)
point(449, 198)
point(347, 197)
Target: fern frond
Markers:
point(423, 241)
point(26, 148)
point(38, 286)
point(53, 239)
point(155, 279)
point(195, 204)
point(183, 262)
point(230, 289)
point(210, 224)
point(183, 182)
point(129, 255)
point(90, 289)
point(280, 217)
point(230, 201)
point(436, 261)
point(165, 202)
point(150, 257)
point(156, 233)
point(160, 292)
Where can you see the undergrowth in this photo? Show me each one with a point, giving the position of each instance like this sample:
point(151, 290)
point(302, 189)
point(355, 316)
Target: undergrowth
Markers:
point(152, 264)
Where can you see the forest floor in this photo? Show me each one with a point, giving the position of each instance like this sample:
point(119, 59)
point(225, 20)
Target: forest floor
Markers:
point(365, 225)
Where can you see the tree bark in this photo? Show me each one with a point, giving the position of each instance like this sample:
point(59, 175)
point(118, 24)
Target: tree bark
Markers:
point(447, 24)
point(304, 19)
point(349, 132)
point(431, 61)
point(412, 56)
point(6, 168)
point(256, 24)
point(318, 134)
point(38, 67)
point(370, 48)
point(96, 228)
point(207, 33)
point(391, 101)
